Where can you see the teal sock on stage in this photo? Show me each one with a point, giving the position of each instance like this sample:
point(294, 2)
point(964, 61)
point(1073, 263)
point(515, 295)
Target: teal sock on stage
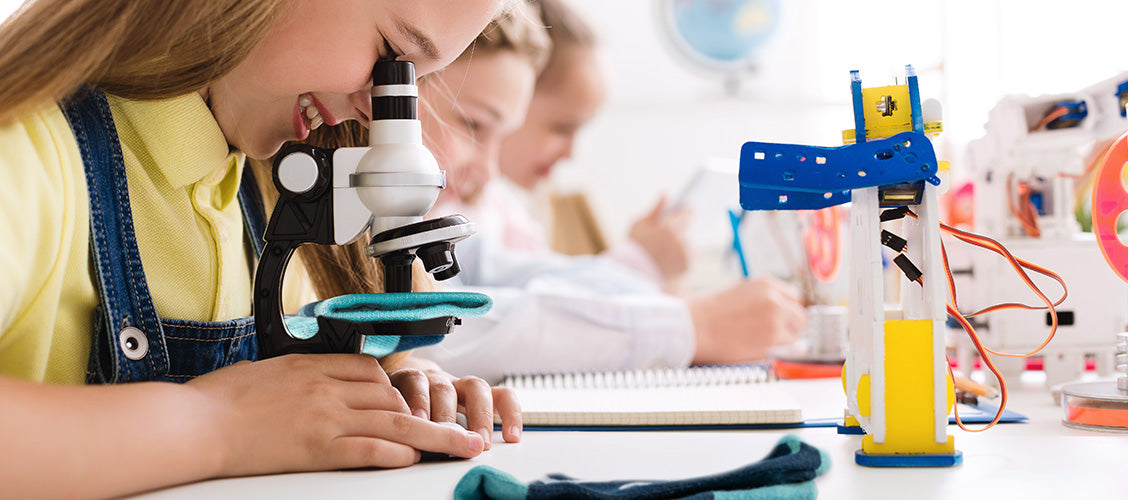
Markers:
point(382, 307)
point(787, 473)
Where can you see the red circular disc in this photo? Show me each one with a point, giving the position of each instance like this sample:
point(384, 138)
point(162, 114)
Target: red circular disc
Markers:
point(821, 241)
point(1109, 201)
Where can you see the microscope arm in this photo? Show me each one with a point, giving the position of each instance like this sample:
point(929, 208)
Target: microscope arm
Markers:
point(333, 197)
point(304, 215)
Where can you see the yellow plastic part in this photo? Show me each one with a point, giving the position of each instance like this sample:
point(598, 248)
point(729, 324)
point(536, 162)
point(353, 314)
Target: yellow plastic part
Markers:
point(951, 388)
point(910, 416)
point(931, 129)
point(887, 107)
point(864, 395)
point(887, 112)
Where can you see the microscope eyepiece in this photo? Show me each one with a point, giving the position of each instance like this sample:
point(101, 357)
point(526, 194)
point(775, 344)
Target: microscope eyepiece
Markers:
point(393, 73)
point(394, 93)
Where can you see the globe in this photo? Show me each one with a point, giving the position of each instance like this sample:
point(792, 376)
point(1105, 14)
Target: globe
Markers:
point(719, 35)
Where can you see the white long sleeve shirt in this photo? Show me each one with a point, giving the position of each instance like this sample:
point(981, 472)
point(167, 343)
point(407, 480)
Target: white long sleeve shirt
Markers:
point(553, 312)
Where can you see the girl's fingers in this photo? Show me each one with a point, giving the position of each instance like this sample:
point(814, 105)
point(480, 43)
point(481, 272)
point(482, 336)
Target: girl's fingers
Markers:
point(351, 367)
point(370, 396)
point(444, 400)
point(351, 452)
point(414, 432)
point(415, 388)
point(475, 395)
point(509, 408)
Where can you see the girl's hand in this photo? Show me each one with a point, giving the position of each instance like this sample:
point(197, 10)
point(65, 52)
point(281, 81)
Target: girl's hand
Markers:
point(317, 412)
point(436, 395)
point(738, 324)
point(661, 233)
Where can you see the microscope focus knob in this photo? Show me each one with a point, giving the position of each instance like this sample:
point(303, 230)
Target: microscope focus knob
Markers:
point(438, 259)
point(297, 172)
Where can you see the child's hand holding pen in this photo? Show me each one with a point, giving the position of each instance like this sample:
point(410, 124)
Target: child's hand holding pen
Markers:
point(739, 323)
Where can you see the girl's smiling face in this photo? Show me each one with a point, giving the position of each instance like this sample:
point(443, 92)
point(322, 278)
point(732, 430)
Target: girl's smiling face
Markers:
point(315, 64)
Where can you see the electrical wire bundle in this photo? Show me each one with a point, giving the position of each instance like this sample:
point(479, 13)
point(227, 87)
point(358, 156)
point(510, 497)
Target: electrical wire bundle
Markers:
point(1019, 265)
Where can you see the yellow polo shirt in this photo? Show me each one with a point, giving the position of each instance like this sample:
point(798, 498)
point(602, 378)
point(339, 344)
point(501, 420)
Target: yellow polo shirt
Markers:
point(183, 181)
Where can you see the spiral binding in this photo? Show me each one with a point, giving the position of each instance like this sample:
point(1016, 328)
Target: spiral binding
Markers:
point(697, 376)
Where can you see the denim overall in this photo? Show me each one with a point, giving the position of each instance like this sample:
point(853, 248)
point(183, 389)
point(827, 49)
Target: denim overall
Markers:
point(131, 343)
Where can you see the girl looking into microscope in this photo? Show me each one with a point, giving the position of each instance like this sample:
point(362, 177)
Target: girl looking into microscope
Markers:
point(177, 95)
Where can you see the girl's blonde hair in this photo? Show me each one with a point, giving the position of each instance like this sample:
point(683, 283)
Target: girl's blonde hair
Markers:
point(519, 30)
point(565, 26)
point(567, 29)
point(138, 49)
point(156, 49)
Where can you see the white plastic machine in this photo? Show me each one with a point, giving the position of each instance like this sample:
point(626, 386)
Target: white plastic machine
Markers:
point(1026, 170)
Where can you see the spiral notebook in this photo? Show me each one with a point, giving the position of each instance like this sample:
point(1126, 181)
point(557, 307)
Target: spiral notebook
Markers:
point(699, 397)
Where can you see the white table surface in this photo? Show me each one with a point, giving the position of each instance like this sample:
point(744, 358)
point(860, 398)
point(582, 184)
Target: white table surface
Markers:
point(1033, 460)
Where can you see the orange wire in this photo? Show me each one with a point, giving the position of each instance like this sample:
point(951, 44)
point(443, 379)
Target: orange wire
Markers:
point(984, 352)
point(948, 269)
point(1054, 114)
point(1030, 212)
point(1024, 211)
point(1018, 265)
point(966, 325)
point(952, 312)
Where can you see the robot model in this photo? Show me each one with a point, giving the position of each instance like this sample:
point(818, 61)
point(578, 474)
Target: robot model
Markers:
point(898, 383)
point(897, 386)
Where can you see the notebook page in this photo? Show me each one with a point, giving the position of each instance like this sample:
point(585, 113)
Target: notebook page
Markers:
point(692, 397)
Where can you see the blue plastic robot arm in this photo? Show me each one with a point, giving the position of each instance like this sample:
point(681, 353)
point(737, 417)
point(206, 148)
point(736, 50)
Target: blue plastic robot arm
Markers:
point(794, 177)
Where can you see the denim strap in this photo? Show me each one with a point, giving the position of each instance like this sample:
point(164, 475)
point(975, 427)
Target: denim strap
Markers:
point(254, 214)
point(125, 294)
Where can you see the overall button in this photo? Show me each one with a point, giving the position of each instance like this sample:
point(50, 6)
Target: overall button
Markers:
point(133, 343)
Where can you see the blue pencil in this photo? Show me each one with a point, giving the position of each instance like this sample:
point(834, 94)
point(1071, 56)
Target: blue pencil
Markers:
point(735, 218)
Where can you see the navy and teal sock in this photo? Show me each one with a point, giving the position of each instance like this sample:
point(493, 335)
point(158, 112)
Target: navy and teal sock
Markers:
point(787, 473)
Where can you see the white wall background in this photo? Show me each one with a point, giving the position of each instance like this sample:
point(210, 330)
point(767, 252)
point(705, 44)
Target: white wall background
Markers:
point(8, 6)
point(661, 120)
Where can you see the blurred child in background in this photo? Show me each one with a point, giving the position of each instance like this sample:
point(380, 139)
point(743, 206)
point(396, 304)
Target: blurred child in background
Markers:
point(555, 312)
